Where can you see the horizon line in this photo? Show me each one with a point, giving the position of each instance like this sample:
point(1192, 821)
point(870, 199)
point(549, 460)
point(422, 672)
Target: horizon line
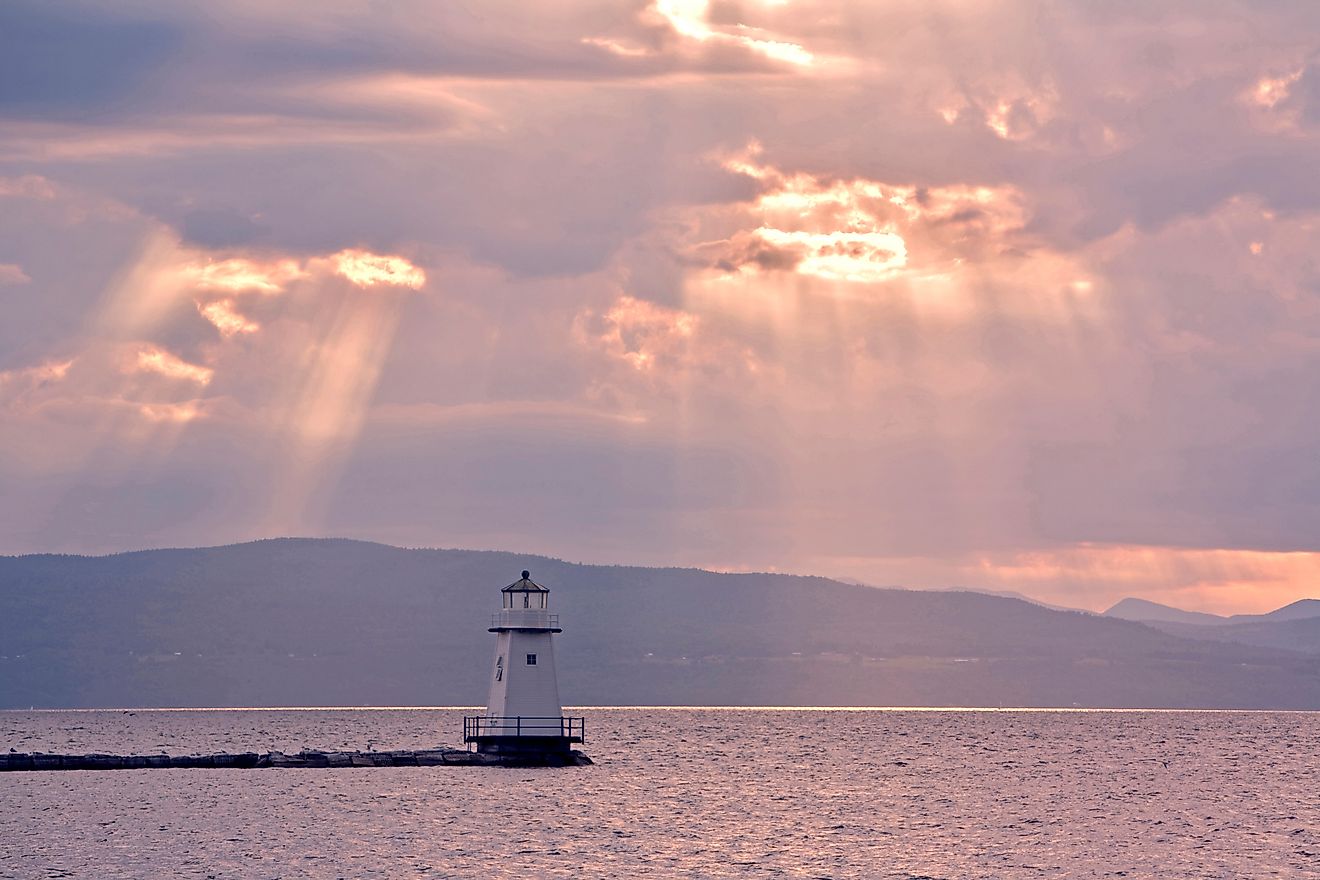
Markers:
point(758, 708)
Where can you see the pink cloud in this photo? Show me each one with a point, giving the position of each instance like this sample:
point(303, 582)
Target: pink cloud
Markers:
point(366, 269)
point(29, 186)
point(241, 274)
point(226, 318)
point(1007, 296)
point(12, 273)
point(152, 359)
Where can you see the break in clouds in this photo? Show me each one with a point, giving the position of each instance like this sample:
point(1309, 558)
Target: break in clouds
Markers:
point(1015, 296)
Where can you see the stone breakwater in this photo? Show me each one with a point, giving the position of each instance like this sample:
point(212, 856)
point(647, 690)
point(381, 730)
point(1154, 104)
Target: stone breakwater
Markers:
point(24, 761)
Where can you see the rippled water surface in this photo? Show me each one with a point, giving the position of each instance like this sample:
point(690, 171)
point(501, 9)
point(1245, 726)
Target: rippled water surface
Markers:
point(683, 793)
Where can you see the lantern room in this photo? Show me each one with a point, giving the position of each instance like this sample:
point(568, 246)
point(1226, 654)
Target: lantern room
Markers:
point(525, 594)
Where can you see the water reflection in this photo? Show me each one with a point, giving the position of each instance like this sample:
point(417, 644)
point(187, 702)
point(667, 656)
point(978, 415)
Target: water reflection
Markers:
point(683, 792)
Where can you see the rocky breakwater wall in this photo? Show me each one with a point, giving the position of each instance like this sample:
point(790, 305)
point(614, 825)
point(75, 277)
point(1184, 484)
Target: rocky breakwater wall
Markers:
point(31, 761)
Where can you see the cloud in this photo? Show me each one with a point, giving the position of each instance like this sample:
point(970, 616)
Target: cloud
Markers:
point(939, 243)
point(1094, 577)
point(218, 228)
point(238, 275)
point(242, 274)
point(151, 359)
point(65, 58)
point(29, 186)
point(1026, 286)
point(36, 376)
point(366, 269)
point(1269, 91)
point(645, 336)
point(226, 318)
point(839, 255)
point(647, 359)
point(692, 19)
point(12, 273)
point(802, 205)
point(147, 377)
point(1215, 580)
point(170, 412)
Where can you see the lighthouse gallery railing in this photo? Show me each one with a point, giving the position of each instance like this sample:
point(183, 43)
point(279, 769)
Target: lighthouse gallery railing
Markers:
point(518, 618)
point(476, 726)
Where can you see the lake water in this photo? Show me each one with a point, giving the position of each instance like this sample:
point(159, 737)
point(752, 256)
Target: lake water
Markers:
point(683, 793)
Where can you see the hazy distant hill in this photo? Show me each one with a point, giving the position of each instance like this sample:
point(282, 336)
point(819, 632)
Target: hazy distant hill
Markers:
point(1301, 634)
point(1294, 627)
point(332, 622)
point(1302, 609)
point(1153, 612)
point(1146, 611)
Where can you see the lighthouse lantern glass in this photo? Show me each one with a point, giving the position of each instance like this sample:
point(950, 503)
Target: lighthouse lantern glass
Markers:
point(525, 599)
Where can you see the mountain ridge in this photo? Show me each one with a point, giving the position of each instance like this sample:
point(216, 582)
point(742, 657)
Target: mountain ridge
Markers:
point(1135, 608)
point(306, 621)
point(1144, 610)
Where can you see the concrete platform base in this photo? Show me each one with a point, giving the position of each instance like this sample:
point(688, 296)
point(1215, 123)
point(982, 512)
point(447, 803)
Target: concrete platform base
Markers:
point(26, 762)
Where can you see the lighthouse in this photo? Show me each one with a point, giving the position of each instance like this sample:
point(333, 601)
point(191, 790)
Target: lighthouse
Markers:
point(523, 712)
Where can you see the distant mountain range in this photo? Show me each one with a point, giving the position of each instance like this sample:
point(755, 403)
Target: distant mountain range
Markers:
point(337, 622)
point(1294, 627)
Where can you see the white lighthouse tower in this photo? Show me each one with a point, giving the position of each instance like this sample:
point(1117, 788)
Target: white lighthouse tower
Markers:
point(523, 712)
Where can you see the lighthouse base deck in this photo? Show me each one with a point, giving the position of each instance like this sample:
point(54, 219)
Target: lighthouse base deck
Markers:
point(522, 734)
point(523, 746)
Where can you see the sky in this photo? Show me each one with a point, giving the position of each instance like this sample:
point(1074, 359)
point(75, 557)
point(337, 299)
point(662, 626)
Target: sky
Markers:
point(1010, 296)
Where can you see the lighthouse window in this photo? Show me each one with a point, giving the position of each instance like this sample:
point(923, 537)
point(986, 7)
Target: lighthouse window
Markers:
point(531, 659)
point(527, 600)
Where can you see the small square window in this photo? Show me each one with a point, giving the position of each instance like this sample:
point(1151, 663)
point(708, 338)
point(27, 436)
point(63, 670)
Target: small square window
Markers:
point(531, 659)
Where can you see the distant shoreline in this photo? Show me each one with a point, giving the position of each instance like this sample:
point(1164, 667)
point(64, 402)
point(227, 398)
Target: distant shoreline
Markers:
point(636, 708)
